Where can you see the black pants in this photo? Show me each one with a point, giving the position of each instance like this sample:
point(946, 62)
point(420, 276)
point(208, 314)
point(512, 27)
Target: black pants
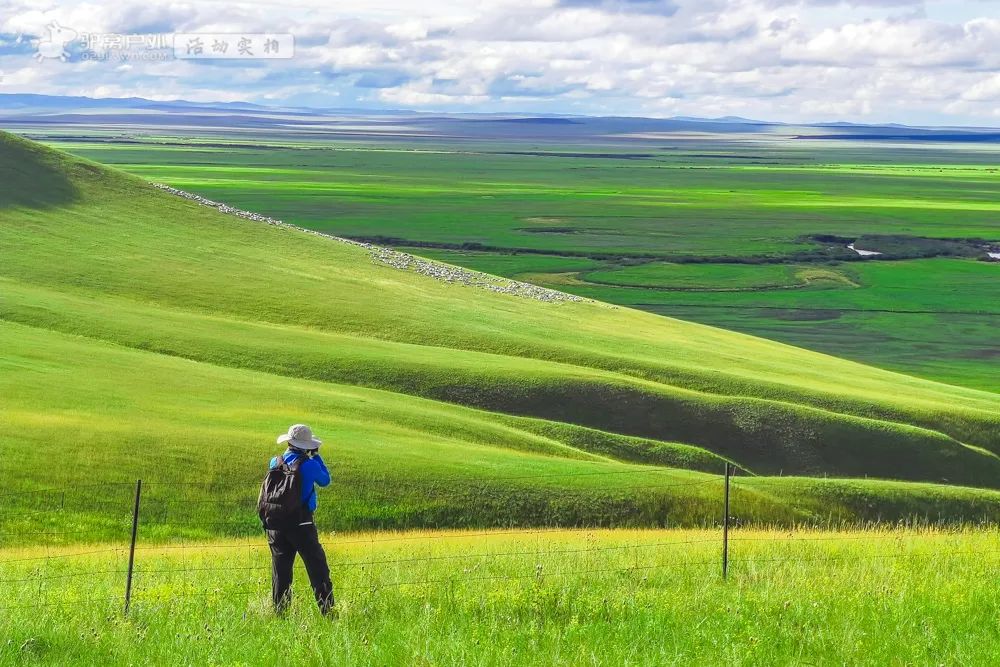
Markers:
point(303, 540)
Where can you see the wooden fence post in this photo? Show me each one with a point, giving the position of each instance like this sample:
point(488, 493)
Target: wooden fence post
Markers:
point(131, 550)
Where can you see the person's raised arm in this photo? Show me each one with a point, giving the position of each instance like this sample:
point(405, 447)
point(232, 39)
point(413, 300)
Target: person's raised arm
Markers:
point(322, 474)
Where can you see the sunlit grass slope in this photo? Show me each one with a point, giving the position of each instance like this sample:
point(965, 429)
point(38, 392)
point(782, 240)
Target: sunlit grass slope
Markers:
point(159, 289)
point(107, 412)
point(558, 598)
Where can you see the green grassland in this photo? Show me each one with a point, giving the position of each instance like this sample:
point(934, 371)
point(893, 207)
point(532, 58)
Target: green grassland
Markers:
point(934, 318)
point(143, 333)
point(551, 598)
point(716, 277)
point(582, 223)
point(682, 202)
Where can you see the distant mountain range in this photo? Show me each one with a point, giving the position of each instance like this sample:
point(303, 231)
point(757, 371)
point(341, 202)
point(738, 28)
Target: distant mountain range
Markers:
point(33, 109)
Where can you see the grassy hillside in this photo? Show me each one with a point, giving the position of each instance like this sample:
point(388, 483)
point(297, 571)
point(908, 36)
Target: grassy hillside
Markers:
point(142, 329)
point(649, 223)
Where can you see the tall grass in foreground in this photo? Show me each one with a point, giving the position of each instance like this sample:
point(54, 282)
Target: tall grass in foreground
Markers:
point(528, 597)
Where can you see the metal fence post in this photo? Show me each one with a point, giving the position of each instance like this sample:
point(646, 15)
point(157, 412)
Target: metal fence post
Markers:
point(131, 551)
point(725, 527)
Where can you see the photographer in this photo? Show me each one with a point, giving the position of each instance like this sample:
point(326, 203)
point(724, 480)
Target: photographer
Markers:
point(286, 506)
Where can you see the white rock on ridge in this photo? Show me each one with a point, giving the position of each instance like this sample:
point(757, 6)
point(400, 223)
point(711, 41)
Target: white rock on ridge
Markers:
point(399, 260)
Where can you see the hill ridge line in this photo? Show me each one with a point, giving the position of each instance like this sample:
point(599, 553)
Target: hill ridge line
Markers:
point(393, 258)
point(610, 375)
point(509, 422)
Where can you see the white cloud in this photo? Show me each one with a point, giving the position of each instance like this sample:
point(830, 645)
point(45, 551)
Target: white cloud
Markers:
point(878, 60)
point(986, 89)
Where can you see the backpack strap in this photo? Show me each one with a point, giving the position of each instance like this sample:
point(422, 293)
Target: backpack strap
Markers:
point(300, 459)
point(294, 465)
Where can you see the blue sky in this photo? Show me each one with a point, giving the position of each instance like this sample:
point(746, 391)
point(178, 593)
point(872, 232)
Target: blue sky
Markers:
point(907, 61)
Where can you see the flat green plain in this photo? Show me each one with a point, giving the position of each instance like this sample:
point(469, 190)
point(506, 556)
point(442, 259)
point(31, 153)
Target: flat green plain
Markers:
point(685, 214)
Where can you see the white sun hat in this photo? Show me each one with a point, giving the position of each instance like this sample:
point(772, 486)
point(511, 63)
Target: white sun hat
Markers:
point(300, 436)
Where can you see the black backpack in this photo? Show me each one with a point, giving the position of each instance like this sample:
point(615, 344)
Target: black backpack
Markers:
point(279, 504)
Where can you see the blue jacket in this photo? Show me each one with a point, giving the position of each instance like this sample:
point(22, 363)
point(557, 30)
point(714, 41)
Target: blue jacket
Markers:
point(314, 473)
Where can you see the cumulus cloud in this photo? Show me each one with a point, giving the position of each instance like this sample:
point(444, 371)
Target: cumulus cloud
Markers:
point(876, 60)
point(986, 89)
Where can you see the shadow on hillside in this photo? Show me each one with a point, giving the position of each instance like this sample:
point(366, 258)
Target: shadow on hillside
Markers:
point(34, 176)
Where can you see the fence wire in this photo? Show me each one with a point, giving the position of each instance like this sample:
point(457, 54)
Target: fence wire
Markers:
point(112, 545)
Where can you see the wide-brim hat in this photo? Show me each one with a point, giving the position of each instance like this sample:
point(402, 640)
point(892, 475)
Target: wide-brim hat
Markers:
point(300, 436)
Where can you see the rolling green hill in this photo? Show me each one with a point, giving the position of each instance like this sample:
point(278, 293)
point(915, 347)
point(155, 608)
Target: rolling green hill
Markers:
point(141, 331)
point(750, 236)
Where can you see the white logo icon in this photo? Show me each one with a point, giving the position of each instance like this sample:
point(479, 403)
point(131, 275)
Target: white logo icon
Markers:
point(55, 46)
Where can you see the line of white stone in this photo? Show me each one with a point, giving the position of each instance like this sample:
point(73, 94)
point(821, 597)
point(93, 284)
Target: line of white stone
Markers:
point(399, 260)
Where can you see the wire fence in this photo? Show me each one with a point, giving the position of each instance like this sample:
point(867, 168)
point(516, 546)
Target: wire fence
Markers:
point(159, 544)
